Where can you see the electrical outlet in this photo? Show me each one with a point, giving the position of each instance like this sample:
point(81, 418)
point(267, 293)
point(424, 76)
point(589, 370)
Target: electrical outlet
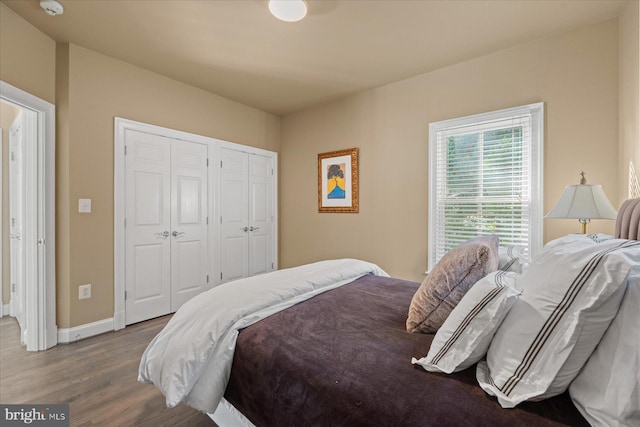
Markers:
point(84, 291)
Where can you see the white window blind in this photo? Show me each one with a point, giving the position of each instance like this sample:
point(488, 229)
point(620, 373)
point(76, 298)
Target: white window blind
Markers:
point(486, 178)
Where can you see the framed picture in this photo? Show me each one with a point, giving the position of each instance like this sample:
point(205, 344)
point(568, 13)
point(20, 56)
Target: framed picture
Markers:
point(338, 181)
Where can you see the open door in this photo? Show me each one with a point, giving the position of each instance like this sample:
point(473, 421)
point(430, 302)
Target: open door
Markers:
point(17, 268)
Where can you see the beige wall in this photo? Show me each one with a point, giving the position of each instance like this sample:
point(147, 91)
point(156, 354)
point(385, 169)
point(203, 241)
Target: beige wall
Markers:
point(27, 56)
point(629, 101)
point(99, 88)
point(575, 74)
point(8, 114)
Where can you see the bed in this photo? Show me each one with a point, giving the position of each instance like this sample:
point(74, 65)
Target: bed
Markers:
point(327, 344)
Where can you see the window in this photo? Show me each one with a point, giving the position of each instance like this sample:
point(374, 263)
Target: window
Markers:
point(485, 176)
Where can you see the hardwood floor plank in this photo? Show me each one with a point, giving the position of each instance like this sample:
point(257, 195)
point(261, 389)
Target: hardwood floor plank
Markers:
point(97, 377)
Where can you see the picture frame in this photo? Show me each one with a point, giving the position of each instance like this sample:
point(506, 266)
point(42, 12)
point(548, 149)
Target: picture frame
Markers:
point(338, 181)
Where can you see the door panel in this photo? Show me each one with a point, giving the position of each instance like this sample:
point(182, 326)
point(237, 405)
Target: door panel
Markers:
point(189, 199)
point(234, 245)
point(189, 271)
point(235, 208)
point(260, 214)
point(148, 278)
point(234, 258)
point(189, 248)
point(148, 213)
point(149, 198)
point(259, 254)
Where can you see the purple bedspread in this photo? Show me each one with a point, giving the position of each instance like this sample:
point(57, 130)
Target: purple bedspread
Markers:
point(343, 358)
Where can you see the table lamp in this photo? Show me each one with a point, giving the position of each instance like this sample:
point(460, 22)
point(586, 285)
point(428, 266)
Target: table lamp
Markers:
point(583, 202)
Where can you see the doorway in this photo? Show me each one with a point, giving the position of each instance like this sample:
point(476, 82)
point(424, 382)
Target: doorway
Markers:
point(14, 274)
point(28, 239)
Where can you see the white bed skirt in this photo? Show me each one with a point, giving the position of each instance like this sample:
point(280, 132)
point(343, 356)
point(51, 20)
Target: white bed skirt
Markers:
point(227, 415)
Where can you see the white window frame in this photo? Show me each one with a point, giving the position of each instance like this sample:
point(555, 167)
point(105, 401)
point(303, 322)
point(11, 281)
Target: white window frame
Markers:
point(536, 145)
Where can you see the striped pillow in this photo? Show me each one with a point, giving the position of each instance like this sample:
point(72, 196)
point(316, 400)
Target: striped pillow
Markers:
point(465, 336)
point(512, 258)
point(607, 389)
point(570, 294)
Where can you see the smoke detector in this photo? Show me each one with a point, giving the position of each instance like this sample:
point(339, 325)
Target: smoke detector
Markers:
point(52, 7)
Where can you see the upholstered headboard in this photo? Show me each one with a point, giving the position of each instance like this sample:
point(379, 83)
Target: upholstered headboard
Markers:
point(628, 221)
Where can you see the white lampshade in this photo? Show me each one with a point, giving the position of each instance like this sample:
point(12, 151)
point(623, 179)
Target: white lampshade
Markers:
point(288, 10)
point(583, 201)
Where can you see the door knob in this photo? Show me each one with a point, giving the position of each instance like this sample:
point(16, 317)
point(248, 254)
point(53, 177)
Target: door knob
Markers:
point(163, 234)
point(254, 228)
point(245, 229)
point(178, 233)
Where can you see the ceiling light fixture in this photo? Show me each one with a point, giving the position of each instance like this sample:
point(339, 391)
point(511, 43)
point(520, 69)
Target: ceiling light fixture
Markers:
point(288, 10)
point(52, 7)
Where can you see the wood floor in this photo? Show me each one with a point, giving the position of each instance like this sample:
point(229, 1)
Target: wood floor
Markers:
point(97, 377)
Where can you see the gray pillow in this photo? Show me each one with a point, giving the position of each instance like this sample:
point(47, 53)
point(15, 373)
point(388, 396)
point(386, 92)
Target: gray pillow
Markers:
point(450, 279)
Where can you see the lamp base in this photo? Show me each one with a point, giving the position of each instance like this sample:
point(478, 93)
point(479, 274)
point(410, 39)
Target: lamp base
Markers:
point(584, 223)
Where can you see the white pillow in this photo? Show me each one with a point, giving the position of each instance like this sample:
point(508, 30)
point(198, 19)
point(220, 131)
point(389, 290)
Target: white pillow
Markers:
point(570, 294)
point(607, 390)
point(465, 336)
point(600, 237)
point(512, 258)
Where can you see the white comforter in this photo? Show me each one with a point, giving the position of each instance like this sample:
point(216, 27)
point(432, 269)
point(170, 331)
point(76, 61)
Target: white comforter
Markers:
point(190, 359)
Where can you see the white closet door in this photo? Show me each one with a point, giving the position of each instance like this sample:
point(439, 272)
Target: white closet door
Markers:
point(260, 214)
point(17, 219)
point(148, 216)
point(188, 221)
point(234, 248)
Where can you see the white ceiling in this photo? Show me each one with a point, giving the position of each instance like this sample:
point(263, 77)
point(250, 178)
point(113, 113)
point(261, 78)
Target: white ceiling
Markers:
point(236, 49)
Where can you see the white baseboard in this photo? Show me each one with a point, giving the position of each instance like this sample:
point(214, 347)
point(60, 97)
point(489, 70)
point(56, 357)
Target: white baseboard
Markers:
point(5, 310)
point(68, 335)
point(118, 320)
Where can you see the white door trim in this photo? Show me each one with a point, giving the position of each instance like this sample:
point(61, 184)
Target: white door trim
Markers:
point(41, 286)
point(1, 228)
point(120, 127)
